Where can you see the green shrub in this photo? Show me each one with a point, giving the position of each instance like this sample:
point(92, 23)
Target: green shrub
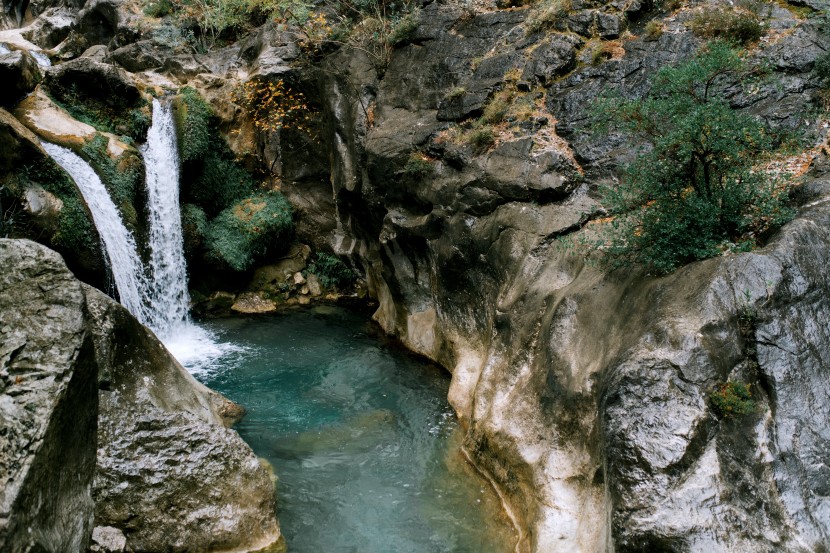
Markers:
point(194, 227)
point(404, 28)
point(246, 231)
point(692, 192)
point(732, 398)
point(822, 69)
point(728, 23)
point(482, 137)
point(193, 124)
point(654, 30)
point(219, 182)
point(331, 272)
point(417, 166)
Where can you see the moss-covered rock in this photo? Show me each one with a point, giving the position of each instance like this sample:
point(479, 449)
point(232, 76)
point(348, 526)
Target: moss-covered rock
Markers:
point(246, 231)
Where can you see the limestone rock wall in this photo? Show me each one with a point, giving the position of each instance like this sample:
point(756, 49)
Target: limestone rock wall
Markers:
point(585, 395)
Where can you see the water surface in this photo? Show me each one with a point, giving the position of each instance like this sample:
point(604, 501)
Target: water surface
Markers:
point(360, 435)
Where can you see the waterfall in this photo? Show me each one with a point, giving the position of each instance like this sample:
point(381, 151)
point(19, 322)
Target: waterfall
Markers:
point(120, 250)
point(169, 298)
point(158, 298)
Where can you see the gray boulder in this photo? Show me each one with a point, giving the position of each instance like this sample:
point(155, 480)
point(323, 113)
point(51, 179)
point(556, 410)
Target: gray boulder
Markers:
point(20, 74)
point(50, 28)
point(48, 403)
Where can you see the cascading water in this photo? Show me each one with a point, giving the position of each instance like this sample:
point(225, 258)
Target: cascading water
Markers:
point(169, 296)
point(194, 347)
point(119, 244)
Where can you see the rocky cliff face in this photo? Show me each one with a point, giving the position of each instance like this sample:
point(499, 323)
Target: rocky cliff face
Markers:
point(585, 395)
point(101, 423)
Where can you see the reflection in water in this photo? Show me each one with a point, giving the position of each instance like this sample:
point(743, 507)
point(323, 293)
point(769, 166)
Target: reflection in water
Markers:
point(360, 435)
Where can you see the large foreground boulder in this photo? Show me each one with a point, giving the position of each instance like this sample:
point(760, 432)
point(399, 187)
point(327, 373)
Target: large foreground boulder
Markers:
point(48, 403)
point(170, 475)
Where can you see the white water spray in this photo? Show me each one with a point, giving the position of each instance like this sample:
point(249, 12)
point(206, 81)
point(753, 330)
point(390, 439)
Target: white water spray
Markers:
point(119, 244)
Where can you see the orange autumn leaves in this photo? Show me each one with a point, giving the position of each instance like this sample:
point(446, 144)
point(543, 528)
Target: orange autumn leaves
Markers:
point(274, 105)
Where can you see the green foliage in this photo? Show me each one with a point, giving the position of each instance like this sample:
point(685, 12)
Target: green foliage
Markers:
point(117, 118)
point(403, 29)
point(692, 192)
point(194, 225)
point(738, 24)
point(822, 69)
point(244, 232)
point(9, 212)
point(732, 398)
point(654, 30)
point(121, 178)
point(193, 124)
point(331, 272)
point(158, 8)
point(219, 180)
point(417, 166)
point(482, 137)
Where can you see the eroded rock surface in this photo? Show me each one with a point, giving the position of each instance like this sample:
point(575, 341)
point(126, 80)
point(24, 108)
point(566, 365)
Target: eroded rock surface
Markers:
point(48, 403)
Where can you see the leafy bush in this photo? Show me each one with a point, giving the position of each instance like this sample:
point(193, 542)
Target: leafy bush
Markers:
point(194, 227)
point(404, 28)
point(273, 104)
point(331, 272)
point(219, 181)
point(728, 23)
point(244, 232)
point(692, 192)
point(654, 30)
point(158, 8)
point(732, 398)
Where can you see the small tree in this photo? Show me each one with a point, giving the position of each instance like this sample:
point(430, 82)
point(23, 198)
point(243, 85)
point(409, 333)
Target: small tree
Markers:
point(694, 190)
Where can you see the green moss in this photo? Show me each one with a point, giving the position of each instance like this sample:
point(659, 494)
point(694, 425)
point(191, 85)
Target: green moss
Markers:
point(417, 166)
point(75, 230)
point(193, 124)
point(120, 177)
point(218, 181)
point(128, 120)
point(247, 230)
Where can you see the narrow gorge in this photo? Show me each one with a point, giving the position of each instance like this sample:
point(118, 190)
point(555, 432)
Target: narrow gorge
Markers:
point(599, 229)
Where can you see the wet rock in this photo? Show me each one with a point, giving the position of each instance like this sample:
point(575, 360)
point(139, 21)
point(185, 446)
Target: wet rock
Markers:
point(51, 122)
point(100, 81)
point(298, 279)
point(140, 56)
point(51, 27)
point(253, 302)
point(106, 539)
point(273, 278)
point(216, 305)
point(314, 287)
point(48, 403)
point(20, 73)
